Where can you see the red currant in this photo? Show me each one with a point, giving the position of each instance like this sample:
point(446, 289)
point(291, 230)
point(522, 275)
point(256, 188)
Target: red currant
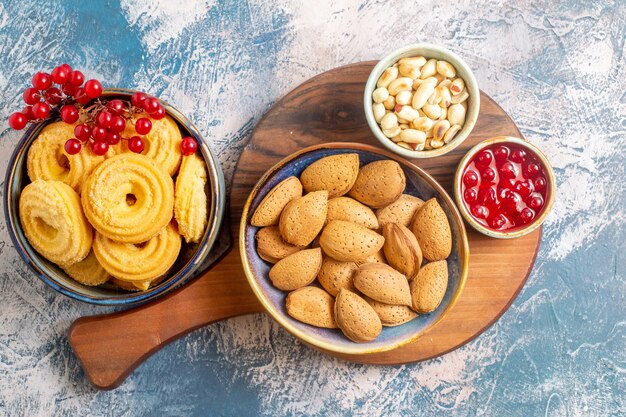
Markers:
point(150, 104)
point(18, 121)
point(69, 89)
point(484, 158)
point(69, 114)
point(42, 81)
point(116, 106)
point(41, 110)
point(508, 170)
point(99, 147)
point(501, 153)
point(68, 68)
point(81, 97)
point(82, 132)
point(540, 183)
point(135, 144)
point(523, 188)
point(31, 96)
point(137, 98)
point(113, 138)
point(535, 202)
point(480, 212)
point(60, 74)
point(518, 155)
point(526, 215)
point(76, 78)
point(118, 123)
point(159, 113)
point(28, 112)
point(99, 133)
point(93, 88)
point(470, 178)
point(103, 119)
point(531, 170)
point(143, 126)
point(510, 201)
point(470, 195)
point(489, 197)
point(497, 221)
point(488, 175)
point(53, 95)
point(72, 146)
point(188, 146)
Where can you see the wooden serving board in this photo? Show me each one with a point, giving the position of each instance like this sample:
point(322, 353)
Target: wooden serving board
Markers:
point(327, 108)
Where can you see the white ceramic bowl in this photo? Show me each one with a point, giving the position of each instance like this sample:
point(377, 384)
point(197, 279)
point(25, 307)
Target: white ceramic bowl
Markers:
point(428, 51)
point(550, 195)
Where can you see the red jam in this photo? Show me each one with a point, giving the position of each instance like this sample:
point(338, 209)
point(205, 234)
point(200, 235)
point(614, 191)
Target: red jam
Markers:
point(504, 187)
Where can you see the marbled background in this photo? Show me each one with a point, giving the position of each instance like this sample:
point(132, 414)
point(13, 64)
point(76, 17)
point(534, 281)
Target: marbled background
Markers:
point(558, 68)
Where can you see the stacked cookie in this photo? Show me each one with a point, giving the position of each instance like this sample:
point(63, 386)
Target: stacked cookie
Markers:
point(356, 234)
point(116, 218)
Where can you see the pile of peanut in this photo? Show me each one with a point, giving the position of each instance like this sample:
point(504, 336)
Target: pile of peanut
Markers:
point(420, 104)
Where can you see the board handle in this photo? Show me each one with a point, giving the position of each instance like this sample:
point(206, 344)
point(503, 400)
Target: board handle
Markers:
point(110, 346)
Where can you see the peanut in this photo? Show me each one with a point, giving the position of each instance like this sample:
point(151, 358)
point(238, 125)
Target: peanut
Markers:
point(446, 69)
point(387, 77)
point(380, 94)
point(399, 84)
point(429, 69)
point(456, 114)
point(457, 86)
point(390, 103)
point(433, 111)
point(451, 133)
point(404, 97)
point(413, 136)
point(422, 123)
point(439, 129)
point(410, 71)
point(389, 121)
point(422, 94)
point(379, 111)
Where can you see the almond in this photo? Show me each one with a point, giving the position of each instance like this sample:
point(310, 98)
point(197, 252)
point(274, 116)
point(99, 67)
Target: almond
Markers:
point(379, 183)
point(356, 318)
point(268, 211)
point(390, 314)
point(335, 174)
point(296, 270)
point(378, 257)
point(402, 250)
point(382, 283)
point(312, 305)
point(400, 211)
point(303, 218)
point(335, 275)
point(271, 247)
point(349, 242)
point(350, 210)
point(432, 230)
point(429, 287)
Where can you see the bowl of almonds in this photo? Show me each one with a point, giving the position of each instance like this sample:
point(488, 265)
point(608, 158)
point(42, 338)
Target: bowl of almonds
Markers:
point(352, 249)
point(421, 101)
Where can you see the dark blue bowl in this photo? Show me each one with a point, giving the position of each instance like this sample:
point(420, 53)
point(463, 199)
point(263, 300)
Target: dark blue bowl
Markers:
point(419, 184)
point(189, 260)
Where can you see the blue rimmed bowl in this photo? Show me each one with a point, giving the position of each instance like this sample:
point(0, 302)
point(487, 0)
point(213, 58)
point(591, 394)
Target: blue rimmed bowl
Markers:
point(419, 184)
point(189, 260)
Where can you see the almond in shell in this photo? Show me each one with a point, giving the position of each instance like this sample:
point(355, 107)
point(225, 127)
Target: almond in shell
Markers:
point(378, 257)
point(312, 305)
point(349, 242)
point(356, 318)
point(335, 275)
point(303, 218)
point(335, 174)
point(348, 209)
point(270, 245)
point(429, 287)
point(296, 270)
point(268, 211)
point(432, 230)
point(400, 211)
point(379, 183)
point(382, 283)
point(402, 250)
point(391, 315)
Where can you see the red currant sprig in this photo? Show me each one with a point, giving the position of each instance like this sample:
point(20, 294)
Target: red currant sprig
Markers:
point(62, 89)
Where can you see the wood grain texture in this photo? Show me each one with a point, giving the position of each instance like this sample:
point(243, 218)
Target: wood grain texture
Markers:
point(327, 108)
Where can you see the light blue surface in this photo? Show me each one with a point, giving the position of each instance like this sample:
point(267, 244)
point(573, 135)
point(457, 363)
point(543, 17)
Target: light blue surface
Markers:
point(558, 68)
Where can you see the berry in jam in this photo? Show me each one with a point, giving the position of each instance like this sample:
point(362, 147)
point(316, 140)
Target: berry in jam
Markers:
point(504, 187)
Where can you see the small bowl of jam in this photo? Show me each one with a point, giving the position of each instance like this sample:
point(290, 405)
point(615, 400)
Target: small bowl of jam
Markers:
point(505, 187)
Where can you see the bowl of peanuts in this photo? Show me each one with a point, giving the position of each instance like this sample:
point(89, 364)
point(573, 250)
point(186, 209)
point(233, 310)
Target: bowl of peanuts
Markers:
point(421, 101)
